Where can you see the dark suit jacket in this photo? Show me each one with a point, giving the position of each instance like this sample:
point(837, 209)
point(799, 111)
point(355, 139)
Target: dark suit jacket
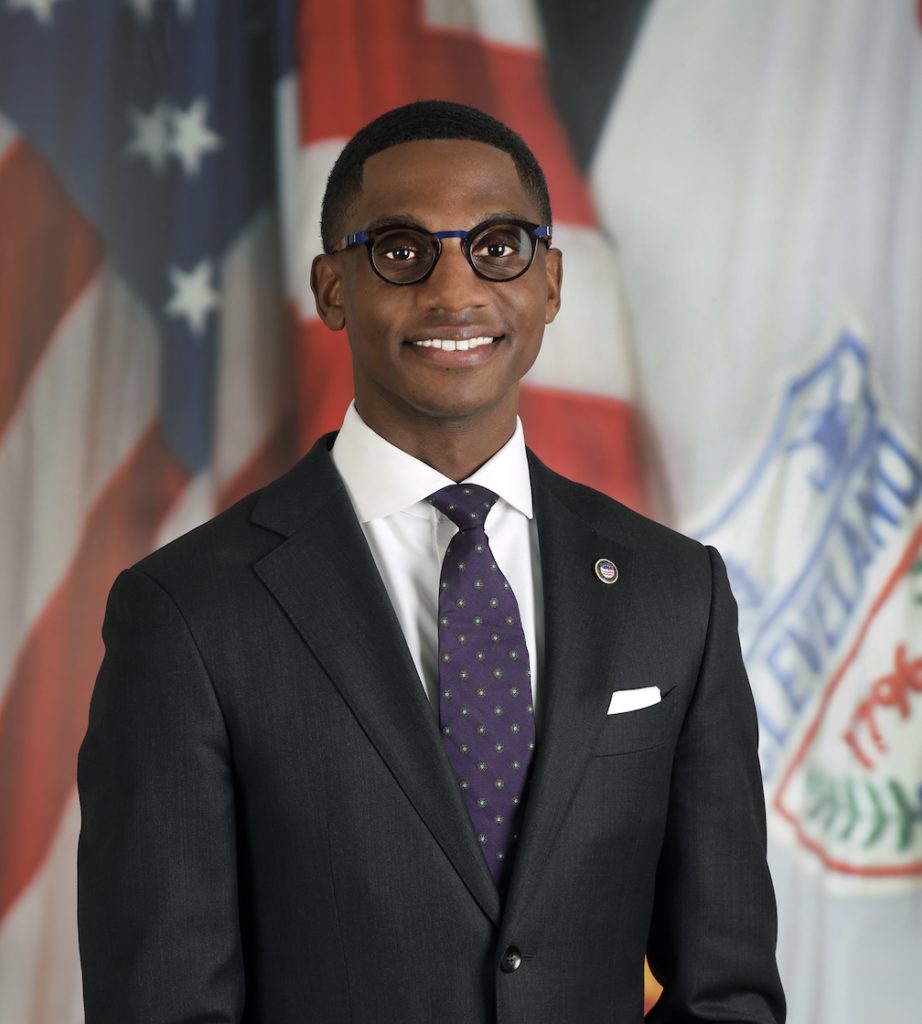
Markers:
point(272, 832)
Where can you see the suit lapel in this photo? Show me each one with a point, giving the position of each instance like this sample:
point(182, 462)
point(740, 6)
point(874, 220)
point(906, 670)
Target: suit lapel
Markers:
point(324, 577)
point(583, 622)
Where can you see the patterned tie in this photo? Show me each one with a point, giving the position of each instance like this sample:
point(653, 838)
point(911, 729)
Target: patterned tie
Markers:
point(485, 701)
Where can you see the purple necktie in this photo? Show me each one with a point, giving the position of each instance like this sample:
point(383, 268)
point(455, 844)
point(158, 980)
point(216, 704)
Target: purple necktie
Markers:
point(486, 712)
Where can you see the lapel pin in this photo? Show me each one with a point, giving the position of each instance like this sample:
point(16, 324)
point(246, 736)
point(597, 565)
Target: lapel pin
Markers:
point(606, 570)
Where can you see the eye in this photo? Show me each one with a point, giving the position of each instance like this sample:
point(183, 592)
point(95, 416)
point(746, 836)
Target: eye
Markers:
point(499, 242)
point(399, 253)
point(402, 247)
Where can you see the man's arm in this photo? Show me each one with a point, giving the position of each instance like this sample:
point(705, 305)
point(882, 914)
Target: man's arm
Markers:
point(712, 937)
point(159, 933)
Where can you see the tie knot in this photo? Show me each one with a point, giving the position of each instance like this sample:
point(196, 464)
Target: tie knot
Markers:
point(466, 505)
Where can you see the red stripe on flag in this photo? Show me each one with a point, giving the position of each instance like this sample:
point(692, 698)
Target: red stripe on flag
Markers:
point(586, 437)
point(48, 253)
point(44, 716)
point(324, 373)
point(380, 54)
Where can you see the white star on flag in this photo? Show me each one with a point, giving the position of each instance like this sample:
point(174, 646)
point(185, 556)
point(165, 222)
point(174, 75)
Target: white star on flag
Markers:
point(193, 296)
point(151, 135)
point(142, 8)
point(192, 138)
point(42, 9)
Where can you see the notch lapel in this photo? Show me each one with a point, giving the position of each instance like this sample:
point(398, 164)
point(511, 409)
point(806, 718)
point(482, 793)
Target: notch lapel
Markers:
point(325, 579)
point(584, 620)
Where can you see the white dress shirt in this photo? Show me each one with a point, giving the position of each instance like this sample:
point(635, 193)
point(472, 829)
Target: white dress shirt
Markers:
point(408, 537)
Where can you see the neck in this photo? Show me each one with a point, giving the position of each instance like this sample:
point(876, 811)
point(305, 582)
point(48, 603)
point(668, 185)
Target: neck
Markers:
point(454, 445)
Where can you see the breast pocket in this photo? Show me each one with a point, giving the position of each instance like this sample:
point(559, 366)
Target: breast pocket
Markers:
point(630, 731)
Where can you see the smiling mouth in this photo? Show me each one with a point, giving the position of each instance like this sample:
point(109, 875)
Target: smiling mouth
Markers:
point(454, 345)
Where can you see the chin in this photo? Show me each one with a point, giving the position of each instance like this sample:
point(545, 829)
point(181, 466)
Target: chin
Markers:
point(460, 406)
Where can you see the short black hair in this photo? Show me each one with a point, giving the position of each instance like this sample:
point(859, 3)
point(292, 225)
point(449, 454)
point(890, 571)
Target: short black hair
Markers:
point(415, 122)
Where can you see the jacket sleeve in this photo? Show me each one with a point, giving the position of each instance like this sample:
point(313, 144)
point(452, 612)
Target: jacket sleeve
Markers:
point(714, 925)
point(157, 890)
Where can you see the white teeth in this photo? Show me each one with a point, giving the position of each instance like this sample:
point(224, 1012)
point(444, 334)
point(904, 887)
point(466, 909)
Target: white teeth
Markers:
point(449, 345)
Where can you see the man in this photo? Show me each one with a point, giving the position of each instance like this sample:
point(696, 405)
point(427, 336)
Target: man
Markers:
point(375, 747)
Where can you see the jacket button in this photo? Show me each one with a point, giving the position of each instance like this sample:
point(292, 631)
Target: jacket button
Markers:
point(511, 961)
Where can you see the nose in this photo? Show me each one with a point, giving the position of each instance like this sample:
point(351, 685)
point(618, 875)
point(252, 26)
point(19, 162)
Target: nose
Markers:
point(453, 286)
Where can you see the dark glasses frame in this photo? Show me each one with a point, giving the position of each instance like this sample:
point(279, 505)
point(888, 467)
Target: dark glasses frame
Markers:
point(536, 232)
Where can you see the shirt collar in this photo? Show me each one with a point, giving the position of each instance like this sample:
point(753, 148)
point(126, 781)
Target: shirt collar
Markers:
point(383, 479)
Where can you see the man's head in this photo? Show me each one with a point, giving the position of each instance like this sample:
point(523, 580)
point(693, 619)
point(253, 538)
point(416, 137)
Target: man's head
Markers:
point(444, 349)
point(420, 122)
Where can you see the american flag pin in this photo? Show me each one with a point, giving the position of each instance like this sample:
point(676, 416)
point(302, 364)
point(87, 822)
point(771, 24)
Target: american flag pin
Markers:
point(606, 570)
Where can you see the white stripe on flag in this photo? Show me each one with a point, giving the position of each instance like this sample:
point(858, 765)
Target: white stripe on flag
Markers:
point(39, 964)
point(191, 508)
point(254, 368)
point(510, 23)
point(85, 407)
point(587, 347)
point(8, 135)
point(303, 172)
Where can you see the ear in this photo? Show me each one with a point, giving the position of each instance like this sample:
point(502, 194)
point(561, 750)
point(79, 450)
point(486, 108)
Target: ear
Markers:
point(553, 267)
point(327, 286)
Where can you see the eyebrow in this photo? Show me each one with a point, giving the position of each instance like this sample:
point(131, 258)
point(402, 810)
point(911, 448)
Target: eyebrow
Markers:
point(396, 220)
point(409, 221)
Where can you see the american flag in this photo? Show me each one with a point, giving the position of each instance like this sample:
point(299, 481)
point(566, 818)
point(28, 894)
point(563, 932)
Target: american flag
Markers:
point(144, 375)
point(161, 167)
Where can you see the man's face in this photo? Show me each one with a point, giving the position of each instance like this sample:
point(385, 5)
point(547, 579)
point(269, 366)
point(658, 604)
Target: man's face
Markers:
point(439, 186)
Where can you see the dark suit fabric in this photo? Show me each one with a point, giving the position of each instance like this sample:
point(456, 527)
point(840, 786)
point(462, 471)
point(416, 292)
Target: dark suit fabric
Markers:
point(272, 833)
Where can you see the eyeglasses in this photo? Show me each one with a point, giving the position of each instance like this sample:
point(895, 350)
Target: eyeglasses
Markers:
point(497, 250)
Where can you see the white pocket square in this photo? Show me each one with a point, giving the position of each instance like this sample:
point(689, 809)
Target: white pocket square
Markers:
point(633, 700)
